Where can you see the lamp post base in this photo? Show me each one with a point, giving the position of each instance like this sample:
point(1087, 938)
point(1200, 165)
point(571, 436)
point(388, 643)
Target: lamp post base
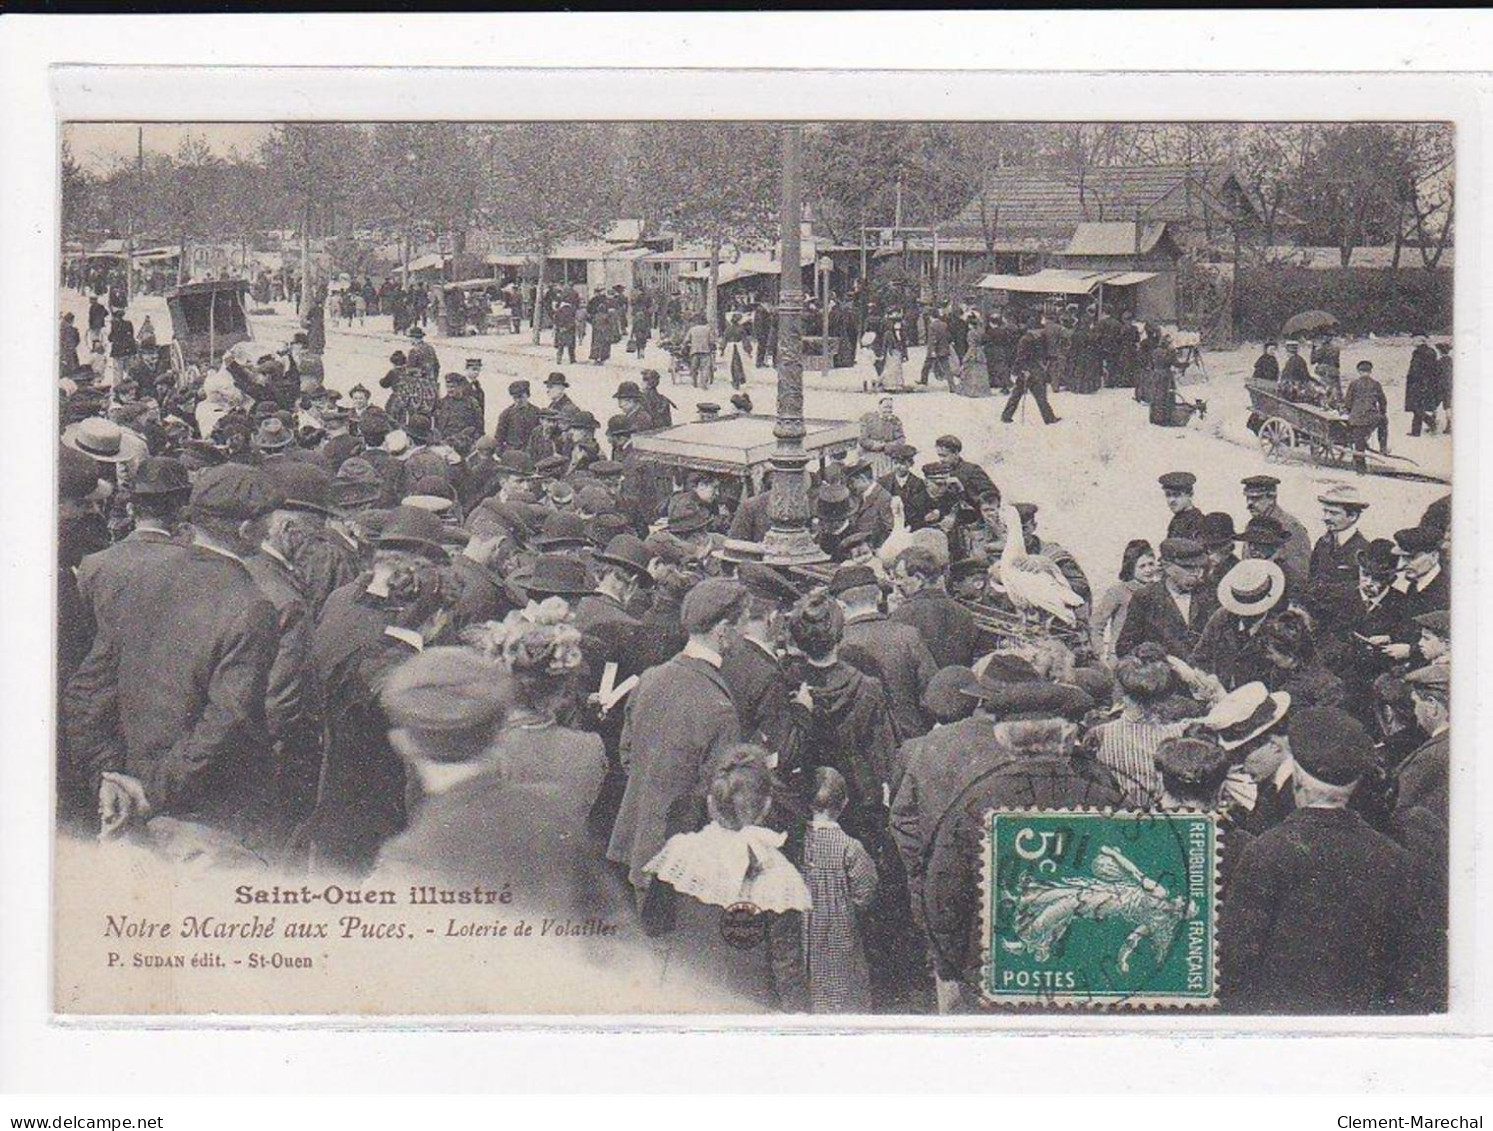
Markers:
point(791, 548)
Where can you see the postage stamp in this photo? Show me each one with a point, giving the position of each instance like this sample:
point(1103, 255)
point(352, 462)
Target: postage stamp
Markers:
point(1096, 908)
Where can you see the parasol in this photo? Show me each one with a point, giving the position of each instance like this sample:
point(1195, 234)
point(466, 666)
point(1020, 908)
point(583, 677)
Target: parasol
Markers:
point(1307, 322)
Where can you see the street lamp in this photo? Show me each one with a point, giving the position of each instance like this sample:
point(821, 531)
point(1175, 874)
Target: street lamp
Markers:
point(789, 541)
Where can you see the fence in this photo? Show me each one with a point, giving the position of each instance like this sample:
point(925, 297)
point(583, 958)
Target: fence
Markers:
point(1364, 299)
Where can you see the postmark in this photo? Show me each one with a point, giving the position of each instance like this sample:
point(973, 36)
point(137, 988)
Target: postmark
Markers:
point(1100, 908)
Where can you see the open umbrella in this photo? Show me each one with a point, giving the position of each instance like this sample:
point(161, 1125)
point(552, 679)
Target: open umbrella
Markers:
point(1307, 322)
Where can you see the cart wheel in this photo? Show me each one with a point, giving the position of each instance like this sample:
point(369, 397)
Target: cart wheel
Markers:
point(1326, 453)
point(1277, 438)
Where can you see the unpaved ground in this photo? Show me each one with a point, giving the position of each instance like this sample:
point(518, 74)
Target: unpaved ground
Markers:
point(1093, 474)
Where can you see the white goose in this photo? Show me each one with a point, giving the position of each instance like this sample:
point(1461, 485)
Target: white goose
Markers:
point(1031, 580)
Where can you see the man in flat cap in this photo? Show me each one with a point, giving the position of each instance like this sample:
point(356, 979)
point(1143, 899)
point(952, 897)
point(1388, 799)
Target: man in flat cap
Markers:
point(680, 718)
point(1261, 502)
point(1187, 519)
point(660, 409)
point(1427, 582)
point(1368, 412)
point(892, 652)
point(902, 482)
point(1332, 572)
point(172, 723)
point(1167, 612)
point(971, 477)
point(1325, 914)
point(518, 420)
point(458, 416)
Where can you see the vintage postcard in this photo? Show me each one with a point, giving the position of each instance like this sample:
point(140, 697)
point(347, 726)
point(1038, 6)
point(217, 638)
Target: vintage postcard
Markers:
point(889, 569)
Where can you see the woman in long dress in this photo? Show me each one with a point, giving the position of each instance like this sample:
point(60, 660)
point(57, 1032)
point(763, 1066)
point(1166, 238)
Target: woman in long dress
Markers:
point(894, 355)
point(736, 349)
point(974, 373)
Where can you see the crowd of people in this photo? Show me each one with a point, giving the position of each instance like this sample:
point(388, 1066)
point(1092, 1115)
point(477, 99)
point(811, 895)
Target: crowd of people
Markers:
point(323, 635)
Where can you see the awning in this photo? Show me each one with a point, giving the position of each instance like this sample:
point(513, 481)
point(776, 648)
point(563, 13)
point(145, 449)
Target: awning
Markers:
point(1053, 281)
point(428, 262)
point(505, 260)
point(1129, 278)
point(1060, 281)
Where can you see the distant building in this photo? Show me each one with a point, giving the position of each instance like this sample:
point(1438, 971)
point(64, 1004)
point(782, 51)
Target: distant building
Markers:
point(1130, 249)
point(1200, 203)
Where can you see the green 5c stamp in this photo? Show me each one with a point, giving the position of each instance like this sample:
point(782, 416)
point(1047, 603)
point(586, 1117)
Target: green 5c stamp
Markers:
point(1100, 908)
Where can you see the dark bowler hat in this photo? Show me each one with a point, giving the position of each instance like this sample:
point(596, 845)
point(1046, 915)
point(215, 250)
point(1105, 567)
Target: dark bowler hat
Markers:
point(1183, 552)
point(628, 389)
point(1000, 672)
point(1379, 559)
point(306, 486)
point(605, 527)
point(626, 551)
point(161, 475)
point(562, 530)
point(1330, 745)
point(901, 453)
point(1417, 540)
point(1178, 481)
point(1259, 485)
point(686, 516)
point(518, 388)
point(1266, 533)
point(416, 332)
point(556, 575)
point(358, 484)
point(272, 435)
point(1217, 529)
point(1365, 367)
point(583, 420)
point(416, 530)
point(235, 492)
point(849, 577)
point(516, 463)
point(833, 501)
point(619, 425)
point(556, 380)
point(767, 583)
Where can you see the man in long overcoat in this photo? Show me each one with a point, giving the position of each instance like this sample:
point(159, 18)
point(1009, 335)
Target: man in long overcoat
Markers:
point(680, 718)
point(168, 710)
point(1422, 386)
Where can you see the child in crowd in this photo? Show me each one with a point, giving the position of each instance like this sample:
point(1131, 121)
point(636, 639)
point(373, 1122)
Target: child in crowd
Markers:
point(842, 881)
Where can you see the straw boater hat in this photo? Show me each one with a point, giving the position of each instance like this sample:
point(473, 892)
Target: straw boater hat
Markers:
point(105, 441)
point(1246, 713)
point(1343, 495)
point(1252, 587)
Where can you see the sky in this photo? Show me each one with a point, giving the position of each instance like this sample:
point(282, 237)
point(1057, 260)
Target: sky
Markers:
point(98, 145)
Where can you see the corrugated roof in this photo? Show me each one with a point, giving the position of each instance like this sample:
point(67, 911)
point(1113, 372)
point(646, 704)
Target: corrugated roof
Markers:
point(1063, 281)
point(1023, 199)
point(1114, 238)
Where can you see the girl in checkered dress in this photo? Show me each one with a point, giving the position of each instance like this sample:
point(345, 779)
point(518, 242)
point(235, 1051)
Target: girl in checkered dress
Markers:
point(842, 880)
